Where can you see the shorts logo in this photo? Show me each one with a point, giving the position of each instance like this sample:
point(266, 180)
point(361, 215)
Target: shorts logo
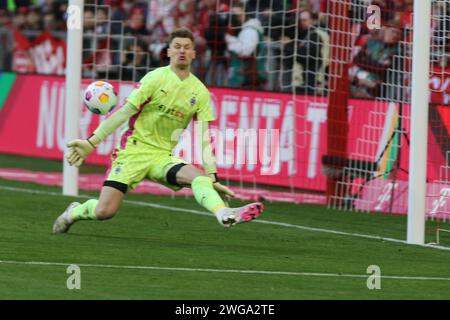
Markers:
point(117, 170)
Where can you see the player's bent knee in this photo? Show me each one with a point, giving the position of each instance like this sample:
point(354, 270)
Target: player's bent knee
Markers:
point(104, 213)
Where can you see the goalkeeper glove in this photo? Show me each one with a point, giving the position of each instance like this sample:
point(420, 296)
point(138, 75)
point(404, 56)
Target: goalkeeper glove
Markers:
point(225, 193)
point(80, 149)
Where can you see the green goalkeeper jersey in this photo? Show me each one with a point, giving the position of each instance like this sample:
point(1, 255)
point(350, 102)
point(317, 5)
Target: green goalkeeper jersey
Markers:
point(166, 105)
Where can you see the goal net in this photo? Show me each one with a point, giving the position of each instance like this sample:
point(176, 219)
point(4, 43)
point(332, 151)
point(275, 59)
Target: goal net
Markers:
point(370, 173)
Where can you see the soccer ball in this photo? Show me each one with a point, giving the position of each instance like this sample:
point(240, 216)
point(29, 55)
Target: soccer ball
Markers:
point(99, 97)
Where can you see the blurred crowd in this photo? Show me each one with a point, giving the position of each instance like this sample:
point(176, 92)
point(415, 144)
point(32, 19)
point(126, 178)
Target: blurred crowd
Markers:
point(255, 44)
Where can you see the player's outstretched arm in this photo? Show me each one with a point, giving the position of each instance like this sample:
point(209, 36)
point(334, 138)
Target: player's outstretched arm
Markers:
point(80, 149)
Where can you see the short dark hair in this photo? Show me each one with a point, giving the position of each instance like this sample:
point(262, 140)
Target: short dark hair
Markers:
point(237, 4)
point(181, 33)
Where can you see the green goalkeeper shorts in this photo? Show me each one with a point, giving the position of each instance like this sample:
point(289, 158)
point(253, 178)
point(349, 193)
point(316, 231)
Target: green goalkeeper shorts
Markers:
point(131, 165)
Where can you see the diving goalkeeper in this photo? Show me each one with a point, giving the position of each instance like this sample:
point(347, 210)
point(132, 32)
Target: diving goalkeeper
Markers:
point(166, 101)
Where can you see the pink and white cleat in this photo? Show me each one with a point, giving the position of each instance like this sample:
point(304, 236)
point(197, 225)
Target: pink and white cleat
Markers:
point(230, 216)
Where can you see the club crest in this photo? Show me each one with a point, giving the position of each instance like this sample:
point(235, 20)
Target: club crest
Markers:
point(192, 101)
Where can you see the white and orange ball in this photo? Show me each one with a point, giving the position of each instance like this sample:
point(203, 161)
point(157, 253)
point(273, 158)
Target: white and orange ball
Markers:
point(100, 98)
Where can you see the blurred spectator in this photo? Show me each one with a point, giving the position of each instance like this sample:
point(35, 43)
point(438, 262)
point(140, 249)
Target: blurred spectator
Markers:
point(88, 20)
point(20, 18)
point(118, 16)
point(371, 64)
point(216, 22)
point(101, 21)
point(130, 5)
point(272, 15)
point(62, 10)
point(34, 20)
point(303, 57)
point(204, 9)
point(135, 62)
point(5, 19)
point(49, 6)
point(183, 15)
point(247, 67)
point(440, 29)
point(49, 21)
point(135, 25)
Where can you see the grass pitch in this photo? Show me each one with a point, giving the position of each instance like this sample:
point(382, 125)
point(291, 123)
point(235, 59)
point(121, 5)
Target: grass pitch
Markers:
point(170, 248)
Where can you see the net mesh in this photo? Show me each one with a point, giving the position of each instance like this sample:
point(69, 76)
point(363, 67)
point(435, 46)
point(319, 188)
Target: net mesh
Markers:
point(374, 175)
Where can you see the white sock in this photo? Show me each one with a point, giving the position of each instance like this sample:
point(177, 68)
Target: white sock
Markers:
point(68, 216)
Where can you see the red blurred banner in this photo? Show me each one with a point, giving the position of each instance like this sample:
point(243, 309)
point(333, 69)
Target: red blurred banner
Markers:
point(44, 55)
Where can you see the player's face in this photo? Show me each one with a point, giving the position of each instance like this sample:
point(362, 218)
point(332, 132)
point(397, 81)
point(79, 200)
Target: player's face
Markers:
point(181, 52)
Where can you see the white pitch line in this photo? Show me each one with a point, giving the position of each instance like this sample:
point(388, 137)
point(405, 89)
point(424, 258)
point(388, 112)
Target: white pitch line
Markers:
point(275, 223)
point(259, 272)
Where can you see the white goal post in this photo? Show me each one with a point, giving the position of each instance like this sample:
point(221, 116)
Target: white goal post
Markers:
point(419, 122)
point(73, 86)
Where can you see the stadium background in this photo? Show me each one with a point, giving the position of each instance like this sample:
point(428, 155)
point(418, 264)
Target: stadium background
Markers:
point(125, 39)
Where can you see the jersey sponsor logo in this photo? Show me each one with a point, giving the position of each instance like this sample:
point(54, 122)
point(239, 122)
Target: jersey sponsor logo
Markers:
point(171, 111)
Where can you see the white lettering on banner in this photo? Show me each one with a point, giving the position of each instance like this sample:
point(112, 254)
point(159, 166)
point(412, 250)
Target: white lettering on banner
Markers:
point(438, 85)
point(269, 156)
point(47, 58)
point(85, 121)
point(124, 91)
point(439, 203)
point(47, 114)
point(271, 110)
point(287, 139)
point(316, 115)
point(439, 89)
point(51, 117)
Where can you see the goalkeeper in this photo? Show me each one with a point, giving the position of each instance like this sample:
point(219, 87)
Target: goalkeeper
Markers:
point(164, 104)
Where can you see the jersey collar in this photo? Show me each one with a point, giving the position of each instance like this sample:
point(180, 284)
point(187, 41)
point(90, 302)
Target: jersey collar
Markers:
point(176, 76)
